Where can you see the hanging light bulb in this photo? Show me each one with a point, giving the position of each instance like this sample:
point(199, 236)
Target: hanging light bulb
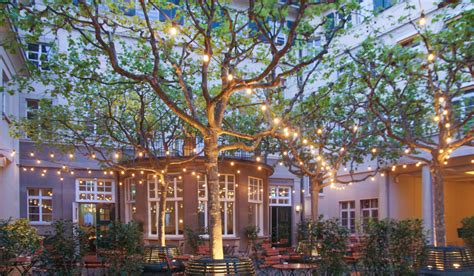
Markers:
point(230, 77)
point(263, 107)
point(431, 57)
point(205, 58)
point(13, 153)
point(422, 20)
point(276, 121)
point(248, 91)
point(173, 31)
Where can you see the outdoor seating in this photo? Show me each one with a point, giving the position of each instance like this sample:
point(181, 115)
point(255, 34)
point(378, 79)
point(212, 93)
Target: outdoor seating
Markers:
point(159, 259)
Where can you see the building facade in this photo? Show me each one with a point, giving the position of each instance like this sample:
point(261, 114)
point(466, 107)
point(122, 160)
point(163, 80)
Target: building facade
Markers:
point(36, 186)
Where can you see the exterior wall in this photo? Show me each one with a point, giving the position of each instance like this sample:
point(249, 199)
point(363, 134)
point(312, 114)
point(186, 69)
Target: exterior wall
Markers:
point(241, 169)
point(405, 197)
point(459, 202)
point(64, 192)
point(11, 64)
point(282, 173)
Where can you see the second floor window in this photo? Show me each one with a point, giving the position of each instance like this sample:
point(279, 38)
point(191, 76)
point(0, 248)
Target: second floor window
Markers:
point(347, 214)
point(38, 54)
point(380, 5)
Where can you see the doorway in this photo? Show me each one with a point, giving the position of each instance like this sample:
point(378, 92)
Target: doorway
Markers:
point(96, 217)
point(281, 225)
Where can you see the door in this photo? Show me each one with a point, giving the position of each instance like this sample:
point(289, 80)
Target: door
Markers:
point(281, 225)
point(97, 216)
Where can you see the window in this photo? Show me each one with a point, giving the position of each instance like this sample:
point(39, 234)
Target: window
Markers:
point(255, 197)
point(3, 99)
point(38, 54)
point(347, 214)
point(174, 217)
point(369, 210)
point(202, 204)
point(464, 105)
point(280, 196)
point(226, 200)
point(95, 190)
point(380, 5)
point(40, 205)
point(130, 195)
point(32, 105)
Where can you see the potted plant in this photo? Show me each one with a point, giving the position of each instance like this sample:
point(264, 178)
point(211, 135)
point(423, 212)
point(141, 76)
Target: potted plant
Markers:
point(194, 238)
point(468, 232)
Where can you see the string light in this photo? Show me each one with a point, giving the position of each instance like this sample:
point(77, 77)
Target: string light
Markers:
point(117, 155)
point(205, 58)
point(248, 91)
point(422, 20)
point(32, 154)
point(13, 153)
point(93, 156)
point(319, 131)
point(51, 155)
point(431, 57)
point(263, 107)
point(173, 31)
point(71, 155)
point(276, 121)
point(230, 77)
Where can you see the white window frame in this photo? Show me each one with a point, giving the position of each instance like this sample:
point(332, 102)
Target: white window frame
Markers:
point(95, 191)
point(278, 196)
point(255, 185)
point(130, 199)
point(38, 62)
point(155, 199)
point(348, 210)
point(370, 209)
point(3, 103)
point(203, 199)
point(40, 197)
point(226, 199)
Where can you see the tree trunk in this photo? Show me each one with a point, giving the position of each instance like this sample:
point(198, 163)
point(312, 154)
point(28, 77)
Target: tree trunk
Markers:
point(162, 206)
point(314, 198)
point(214, 213)
point(439, 229)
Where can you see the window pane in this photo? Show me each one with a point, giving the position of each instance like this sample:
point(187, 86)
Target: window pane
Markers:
point(180, 217)
point(153, 218)
point(202, 215)
point(33, 192)
point(230, 218)
point(170, 218)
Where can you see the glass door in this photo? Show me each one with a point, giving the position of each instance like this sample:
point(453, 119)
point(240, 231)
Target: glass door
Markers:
point(281, 225)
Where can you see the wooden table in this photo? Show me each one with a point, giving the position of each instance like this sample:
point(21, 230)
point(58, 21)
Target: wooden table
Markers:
point(295, 268)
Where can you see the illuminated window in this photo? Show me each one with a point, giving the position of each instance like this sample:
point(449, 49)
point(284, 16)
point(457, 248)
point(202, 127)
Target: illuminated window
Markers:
point(40, 205)
point(174, 216)
point(255, 197)
point(280, 196)
point(130, 195)
point(95, 190)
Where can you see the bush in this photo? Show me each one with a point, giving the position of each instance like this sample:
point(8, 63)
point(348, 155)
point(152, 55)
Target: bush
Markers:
point(394, 247)
point(17, 238)
point(330, 239)
point(64, 249)
point(121, 247)
point(194, 238)
point(468, 232)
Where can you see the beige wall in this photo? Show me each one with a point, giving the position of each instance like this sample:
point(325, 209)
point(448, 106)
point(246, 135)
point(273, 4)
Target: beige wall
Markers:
point(405, 197)
point(459, 203)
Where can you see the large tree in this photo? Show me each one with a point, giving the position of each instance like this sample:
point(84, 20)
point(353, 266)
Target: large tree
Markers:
point(120, 125)
point(197, 56)
point(416, 91)
point(330, 130)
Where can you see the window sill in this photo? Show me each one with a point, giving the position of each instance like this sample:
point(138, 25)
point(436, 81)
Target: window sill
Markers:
point(39, 223)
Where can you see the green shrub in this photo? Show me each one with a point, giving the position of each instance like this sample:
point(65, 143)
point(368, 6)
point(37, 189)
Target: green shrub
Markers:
point(330, 239)
point(17, 238)
point(393, 247)
point(64, 249)
point(194, 238)
point(468, 232)
point(121, 247)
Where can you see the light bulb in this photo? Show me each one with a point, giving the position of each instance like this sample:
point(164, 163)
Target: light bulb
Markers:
point(263, 107)
point(431, 57)
point(230, 77)
point(276, 121)
point(205, 58)
point(173, 31)
point(422, 20)
point(248, 91)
